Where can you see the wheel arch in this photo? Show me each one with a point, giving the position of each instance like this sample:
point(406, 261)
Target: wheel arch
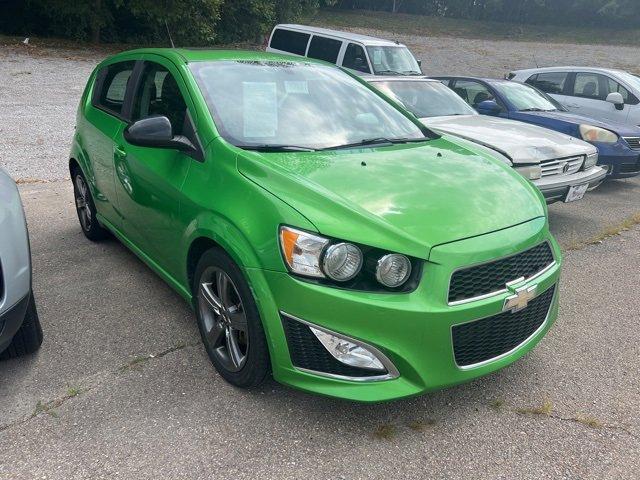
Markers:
point(222, 234)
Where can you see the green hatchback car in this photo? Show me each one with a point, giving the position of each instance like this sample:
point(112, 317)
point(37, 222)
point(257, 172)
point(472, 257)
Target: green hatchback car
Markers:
point(321, 233)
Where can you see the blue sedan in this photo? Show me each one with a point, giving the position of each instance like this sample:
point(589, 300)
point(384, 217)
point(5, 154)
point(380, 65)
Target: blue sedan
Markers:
point(618, 145)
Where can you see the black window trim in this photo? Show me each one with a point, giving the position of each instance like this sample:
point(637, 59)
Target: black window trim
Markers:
point(125, 115)
point(132, 88)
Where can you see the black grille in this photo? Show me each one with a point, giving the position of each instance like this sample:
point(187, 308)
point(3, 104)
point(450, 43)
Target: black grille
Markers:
point(630, 167)
point(475, 342)
point(491, 277)
point(307, 352)
point(634, 142)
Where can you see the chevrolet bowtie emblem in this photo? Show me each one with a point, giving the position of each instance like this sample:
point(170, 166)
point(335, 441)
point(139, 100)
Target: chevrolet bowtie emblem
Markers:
point(520, 299)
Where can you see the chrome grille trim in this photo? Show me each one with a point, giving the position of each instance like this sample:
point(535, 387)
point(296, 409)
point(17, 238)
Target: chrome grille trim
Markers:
point(504, 290)
point(634, 142)
point(556, 166)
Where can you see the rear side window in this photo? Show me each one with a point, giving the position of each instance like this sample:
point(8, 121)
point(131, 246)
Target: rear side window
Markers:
point(112, 86)
point(472, 92)
point(355, 59)
point(552, 82)
point(323, 48)
point(588, 85)
point(290, 41)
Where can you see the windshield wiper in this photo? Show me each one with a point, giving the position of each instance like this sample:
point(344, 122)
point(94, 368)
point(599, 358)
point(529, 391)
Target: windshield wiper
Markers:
point(276, 148)
point(536, 110)
point(377, 141)
point(389, 72)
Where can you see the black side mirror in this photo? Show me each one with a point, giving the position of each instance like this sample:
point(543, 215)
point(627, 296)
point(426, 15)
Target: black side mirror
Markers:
point(156, 131)
point(488, 107)
point(419, 63)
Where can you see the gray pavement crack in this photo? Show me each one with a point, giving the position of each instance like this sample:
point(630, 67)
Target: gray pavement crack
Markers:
point(49, 407)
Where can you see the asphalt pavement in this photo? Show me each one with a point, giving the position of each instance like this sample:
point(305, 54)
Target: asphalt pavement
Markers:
point(122, 387)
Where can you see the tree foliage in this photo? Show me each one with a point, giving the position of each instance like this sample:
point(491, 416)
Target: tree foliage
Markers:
point(606, 12)
point(191, 22)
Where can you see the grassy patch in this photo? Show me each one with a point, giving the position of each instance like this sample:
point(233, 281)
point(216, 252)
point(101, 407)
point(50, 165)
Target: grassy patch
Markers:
point(385, 432)
point(423, 25)
point(545, 409)
point(610, 231)
point(589, 421)
point(497, 404)
point(421, 425)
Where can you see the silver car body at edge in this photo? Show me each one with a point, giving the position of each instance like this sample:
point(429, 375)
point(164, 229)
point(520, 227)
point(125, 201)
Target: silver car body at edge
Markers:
point(553, 161)
point(15, 261)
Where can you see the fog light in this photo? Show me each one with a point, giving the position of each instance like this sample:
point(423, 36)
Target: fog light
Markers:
point(348, 352)
point(393, 270)
point(342, 261)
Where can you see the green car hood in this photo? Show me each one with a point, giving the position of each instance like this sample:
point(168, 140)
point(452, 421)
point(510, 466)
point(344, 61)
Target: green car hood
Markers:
point(406, 198)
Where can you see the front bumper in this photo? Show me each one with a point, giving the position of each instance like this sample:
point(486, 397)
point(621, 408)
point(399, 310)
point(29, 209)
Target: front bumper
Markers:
point(555, 188)
point(413, 330)
point(618, 159)
point(11, 321)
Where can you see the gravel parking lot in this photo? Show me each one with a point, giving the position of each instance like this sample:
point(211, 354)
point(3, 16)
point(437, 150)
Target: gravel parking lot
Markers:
point(122, 387)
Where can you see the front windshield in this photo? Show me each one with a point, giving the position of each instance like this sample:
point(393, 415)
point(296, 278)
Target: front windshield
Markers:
point(306, 105)
point(526, 98)
point(393, 61)
point(426, 99)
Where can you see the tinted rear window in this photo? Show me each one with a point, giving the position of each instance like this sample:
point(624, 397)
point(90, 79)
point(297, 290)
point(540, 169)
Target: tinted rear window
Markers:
point(289, 41)
point(549, 82)
point(112, 86)
point(323, 48)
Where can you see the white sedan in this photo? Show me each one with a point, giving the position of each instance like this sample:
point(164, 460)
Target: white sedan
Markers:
point(562, 167)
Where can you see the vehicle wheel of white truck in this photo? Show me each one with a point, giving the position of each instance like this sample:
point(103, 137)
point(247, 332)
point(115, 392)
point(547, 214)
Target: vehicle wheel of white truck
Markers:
point(29, 338)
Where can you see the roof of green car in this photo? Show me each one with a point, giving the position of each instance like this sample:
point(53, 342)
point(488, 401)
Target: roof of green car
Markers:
point(187, 55)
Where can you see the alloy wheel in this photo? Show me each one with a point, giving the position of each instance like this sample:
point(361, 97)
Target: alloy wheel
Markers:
point(82, 203)
point(224, 319)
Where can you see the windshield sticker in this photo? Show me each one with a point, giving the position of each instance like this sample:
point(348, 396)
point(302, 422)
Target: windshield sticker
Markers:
point(260, 109)
point(296, 87)
point(377, 57)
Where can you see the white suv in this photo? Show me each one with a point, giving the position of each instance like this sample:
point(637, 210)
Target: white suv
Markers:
point(360, 53)
point(612, 95)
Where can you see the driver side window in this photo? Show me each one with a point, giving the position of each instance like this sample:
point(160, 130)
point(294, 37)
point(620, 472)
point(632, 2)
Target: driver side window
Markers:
point(159, 94)
point(471, 92)
point(355, 59)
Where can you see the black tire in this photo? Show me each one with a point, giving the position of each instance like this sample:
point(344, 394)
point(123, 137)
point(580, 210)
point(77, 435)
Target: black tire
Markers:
point(29, 337)
point(256, 366)
point(86, 208)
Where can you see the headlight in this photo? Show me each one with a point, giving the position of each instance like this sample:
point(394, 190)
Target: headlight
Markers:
point(591, 161)
point(530, 172)
point(334, 261)
point(393, 270)
point(597, 134)
point(302, 250)
point(342, 261)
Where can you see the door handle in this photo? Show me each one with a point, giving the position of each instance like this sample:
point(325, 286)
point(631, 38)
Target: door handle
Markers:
point(119, 152)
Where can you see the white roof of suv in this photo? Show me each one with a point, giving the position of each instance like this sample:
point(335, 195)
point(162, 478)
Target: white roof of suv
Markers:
point(363, 39)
